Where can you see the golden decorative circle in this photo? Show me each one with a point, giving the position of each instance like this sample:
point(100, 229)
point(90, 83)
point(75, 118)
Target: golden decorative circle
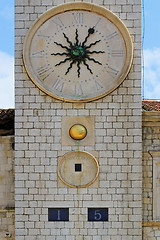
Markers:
point(78, 132)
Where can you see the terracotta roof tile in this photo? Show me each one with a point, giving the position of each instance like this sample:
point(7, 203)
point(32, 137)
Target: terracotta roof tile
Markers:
point(151, 105)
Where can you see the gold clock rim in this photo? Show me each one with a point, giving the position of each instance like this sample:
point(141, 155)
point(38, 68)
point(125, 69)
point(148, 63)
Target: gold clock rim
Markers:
point(81, 186)
point(82, 6)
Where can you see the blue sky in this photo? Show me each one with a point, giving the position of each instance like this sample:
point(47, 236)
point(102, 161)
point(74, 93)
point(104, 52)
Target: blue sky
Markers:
point(151, 52)
point(7, 54)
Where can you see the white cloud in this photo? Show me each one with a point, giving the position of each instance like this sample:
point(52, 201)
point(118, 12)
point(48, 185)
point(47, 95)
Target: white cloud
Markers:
point(6, 80)
point(152, 73)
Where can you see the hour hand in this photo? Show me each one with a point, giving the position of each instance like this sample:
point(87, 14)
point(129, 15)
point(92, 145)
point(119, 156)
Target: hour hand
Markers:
point(59, 54)
point(90, 31)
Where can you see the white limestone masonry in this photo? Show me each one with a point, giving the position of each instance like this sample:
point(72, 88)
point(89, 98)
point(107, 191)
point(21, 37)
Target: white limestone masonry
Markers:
point(38, 144)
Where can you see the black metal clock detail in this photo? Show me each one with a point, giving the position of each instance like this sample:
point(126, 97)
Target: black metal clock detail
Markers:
point(78, 53)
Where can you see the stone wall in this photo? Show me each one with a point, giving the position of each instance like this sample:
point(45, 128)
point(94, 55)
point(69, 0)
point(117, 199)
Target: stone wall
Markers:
point(151, 157)
point(6, 187)
point(117, 142)
point(151, 146)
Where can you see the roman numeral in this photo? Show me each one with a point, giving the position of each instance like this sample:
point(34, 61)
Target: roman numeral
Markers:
point(44, 36)
point(112, 35)
point(47, 38)
point(78, 90)
point(117, 53)
point(58, 85)
point(77, 18)
point(113, 72)
point(98, 85)
point(58, 22)
point(44, 71)
point(39, 54)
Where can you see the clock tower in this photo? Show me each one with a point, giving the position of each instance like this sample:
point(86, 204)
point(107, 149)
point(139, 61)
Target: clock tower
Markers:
point(78, 171)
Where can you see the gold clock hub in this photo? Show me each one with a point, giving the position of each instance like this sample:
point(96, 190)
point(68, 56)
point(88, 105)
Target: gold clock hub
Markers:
point(78, 132)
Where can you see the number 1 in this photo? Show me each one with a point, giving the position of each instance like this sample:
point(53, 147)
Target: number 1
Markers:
point(58, 215)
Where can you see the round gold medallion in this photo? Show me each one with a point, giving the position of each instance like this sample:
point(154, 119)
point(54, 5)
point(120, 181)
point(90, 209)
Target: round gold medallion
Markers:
point(78, 132)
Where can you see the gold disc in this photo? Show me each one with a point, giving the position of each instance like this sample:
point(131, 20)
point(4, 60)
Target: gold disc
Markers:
point(78, 132)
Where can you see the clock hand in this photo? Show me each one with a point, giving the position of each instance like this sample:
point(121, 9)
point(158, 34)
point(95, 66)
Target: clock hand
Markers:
point(60, 54)
point(65, 60)
point(78, 69)
point(70, 43)
point(92, 59)
point(86, 64)
point(90, 52)
point(90, 31)
point(59, 44)
point(68, 69)
point(77, 41)
point(92, 44)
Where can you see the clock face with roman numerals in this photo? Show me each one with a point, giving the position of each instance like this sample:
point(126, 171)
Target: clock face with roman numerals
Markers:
point(78, 52)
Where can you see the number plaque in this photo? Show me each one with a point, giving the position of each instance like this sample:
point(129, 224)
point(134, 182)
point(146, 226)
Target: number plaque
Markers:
point(97, 214)
point(58, 214)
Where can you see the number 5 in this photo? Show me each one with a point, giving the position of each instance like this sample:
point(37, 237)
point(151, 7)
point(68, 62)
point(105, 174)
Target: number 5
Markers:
point(97, 215)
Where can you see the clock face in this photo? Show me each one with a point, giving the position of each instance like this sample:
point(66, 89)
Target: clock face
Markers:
point(78, 52)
